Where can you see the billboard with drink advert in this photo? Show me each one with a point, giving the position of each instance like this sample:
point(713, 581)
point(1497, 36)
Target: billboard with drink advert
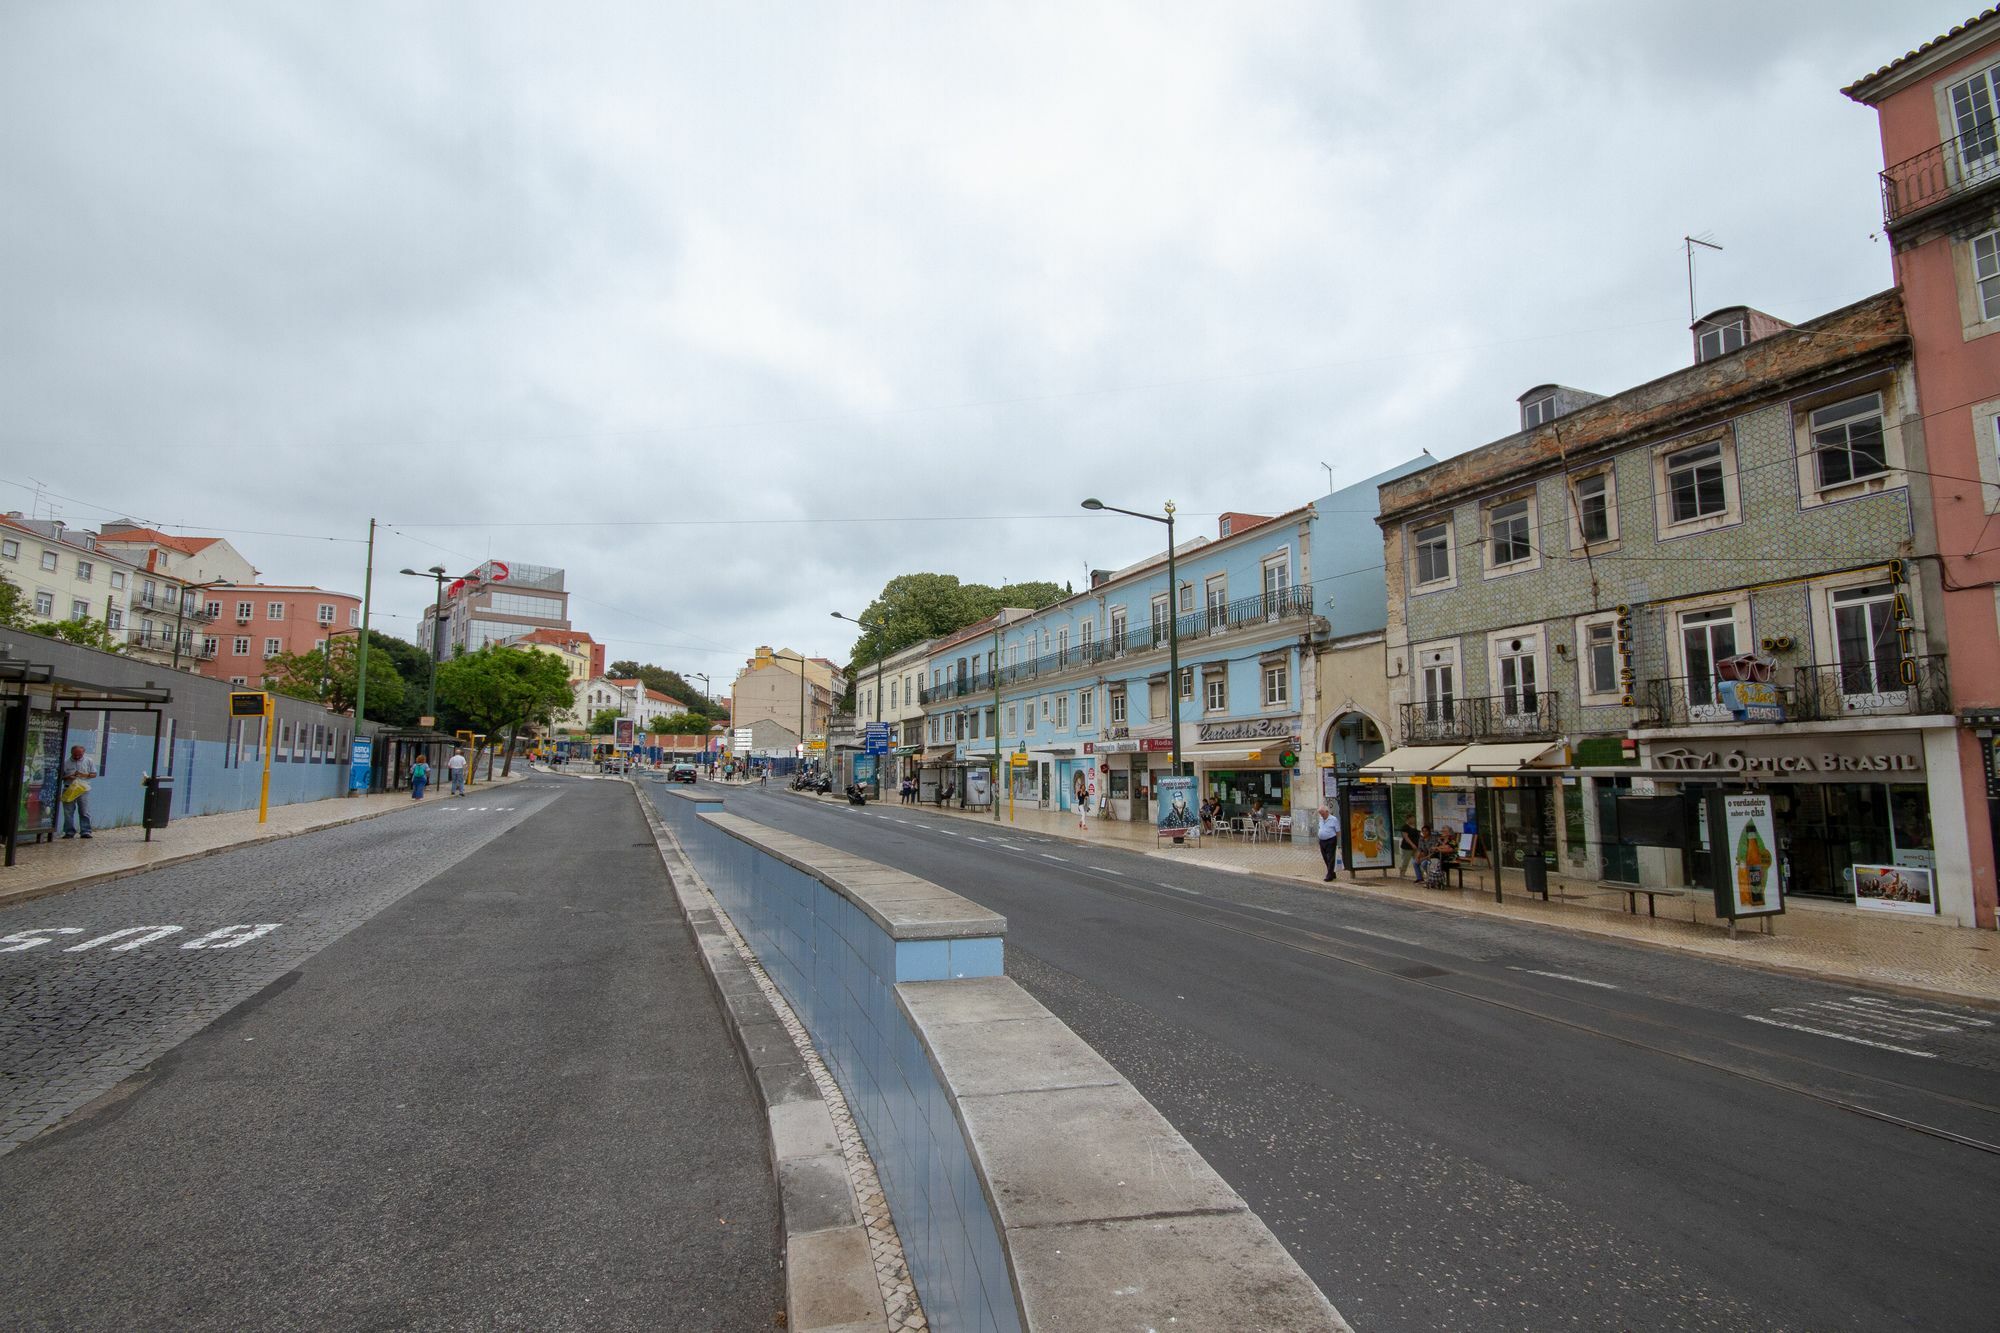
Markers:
point(1748, 857)
point(1371, 842)
point(1895, 889)
point(1175, 809)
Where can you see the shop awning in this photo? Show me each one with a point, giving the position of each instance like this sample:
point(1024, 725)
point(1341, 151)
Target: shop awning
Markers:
point(1412, 760)
point(1508, 757)
point(937, 754)
point(1265, 755)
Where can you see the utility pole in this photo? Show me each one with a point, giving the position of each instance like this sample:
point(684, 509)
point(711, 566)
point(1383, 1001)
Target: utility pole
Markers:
point(361, 655)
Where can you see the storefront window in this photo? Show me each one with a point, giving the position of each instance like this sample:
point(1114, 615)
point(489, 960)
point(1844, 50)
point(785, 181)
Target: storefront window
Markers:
point(1239, 789)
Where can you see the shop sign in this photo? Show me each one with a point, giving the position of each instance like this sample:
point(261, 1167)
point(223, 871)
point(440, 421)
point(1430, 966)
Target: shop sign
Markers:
point(1018, 760)
point(1990, 746)
point(1908, 889)
point(1111, 747)
point(1751, 700)
point(1749, 860)
point(1157, 745)
point(1249, 729)
point(1823, 757)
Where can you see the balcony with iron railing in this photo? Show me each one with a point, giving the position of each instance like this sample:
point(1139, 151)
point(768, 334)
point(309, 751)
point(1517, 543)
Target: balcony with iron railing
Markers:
point(161, 642)
point(1247, 613)
point(1955, 167)
point(1818, 692)
point(191, 610)
point(1523, 715)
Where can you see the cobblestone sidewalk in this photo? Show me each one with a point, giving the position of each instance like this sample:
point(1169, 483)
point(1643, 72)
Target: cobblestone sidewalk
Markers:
point(59, 866)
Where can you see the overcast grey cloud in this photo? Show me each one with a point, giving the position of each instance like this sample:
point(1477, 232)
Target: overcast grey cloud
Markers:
point(528, 280)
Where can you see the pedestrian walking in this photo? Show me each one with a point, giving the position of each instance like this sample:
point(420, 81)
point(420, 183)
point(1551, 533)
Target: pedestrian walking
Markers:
point(420, 777)
point(455, 766)
point(1329, 842)
point(77, 774)
point(1410, 848)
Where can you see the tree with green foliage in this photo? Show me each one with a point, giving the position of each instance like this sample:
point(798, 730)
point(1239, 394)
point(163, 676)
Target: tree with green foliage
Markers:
point(413, 665)
point(679, 724)
point(500, 689)
point(328, 676)
point(13, 605)
point(604, 721)
point(916, 607)
point(670, 683)
point(83, 630)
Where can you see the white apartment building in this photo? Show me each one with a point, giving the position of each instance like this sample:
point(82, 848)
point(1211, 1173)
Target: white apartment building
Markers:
point(63, 574)
point(631, 698)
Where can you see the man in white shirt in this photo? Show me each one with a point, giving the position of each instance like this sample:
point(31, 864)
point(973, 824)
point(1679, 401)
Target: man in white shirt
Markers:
point(456, 767)
point(78, 773)
point(1329, 842)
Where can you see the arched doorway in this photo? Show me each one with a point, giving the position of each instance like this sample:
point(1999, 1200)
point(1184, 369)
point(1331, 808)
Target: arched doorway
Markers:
point(1353, 738)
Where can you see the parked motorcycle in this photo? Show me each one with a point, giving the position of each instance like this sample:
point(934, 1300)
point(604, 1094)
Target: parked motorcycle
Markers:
point(856, 794)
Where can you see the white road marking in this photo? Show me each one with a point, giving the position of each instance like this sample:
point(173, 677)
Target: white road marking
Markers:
point(1563, 976)
point(1107, 870)
point(146, 934)
point(1050, 856)
point(1278, 910)
point(1175, 887)
point(1841, 1036)
point(28, 939)
point(229, 937)
point(974, 837)
point(947, 833)
point(1931, 1013)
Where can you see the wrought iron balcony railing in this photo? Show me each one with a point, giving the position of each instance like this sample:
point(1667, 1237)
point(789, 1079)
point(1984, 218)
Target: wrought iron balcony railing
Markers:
point(1953, 167)
point(191, 610)
point(1245, 613)
point(162, 641)
point(1523, 715)
point(1819, 692)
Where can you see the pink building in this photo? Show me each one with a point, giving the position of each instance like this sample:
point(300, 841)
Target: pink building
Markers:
point(1939, 114)
point(254, 621)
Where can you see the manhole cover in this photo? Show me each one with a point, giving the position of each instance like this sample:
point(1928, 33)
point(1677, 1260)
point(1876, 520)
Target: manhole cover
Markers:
point(1421, 972)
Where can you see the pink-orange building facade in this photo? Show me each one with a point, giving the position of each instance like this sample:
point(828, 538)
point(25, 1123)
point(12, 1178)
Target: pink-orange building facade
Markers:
point(254, 621)
point(1938, 108)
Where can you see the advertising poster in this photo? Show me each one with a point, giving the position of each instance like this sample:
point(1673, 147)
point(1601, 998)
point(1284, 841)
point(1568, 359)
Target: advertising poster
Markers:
point(1750, 842)
point(1175, 807)
point(360, 762)
point(978, 786)
point(626, 731)
point(1371, 833)
point(1895, 889)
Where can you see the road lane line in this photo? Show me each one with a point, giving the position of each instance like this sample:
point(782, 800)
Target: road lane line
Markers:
point(1562, 976)
point(1175, 887)
point(1050, 856)
point(1107, 870)
point(1841, 1036)
point(1872, 1002)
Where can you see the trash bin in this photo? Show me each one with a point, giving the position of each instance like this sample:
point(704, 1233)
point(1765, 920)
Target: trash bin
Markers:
point(159, 802)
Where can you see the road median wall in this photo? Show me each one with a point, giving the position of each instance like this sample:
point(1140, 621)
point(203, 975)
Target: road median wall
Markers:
point(1033, 1187)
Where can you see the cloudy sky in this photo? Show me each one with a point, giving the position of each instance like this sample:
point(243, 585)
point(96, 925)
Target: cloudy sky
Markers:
point(736, 311)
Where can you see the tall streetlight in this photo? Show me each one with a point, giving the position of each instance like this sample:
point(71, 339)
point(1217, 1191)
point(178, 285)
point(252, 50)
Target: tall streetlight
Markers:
point(1173, 618)
point(437, 573)
point(869, 624)
point(802, 700)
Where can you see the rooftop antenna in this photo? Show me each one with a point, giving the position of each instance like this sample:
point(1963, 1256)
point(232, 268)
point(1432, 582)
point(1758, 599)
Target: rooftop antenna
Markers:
point(1688, 243)
point(1329, 477)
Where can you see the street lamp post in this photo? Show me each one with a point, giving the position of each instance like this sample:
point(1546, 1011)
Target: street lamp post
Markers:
point(1173, 618)
point(866, 624)
point(435, 572)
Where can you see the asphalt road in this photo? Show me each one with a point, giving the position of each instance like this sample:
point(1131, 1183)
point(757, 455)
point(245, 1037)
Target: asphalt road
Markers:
point(472, 1077)
point(1464, 1124)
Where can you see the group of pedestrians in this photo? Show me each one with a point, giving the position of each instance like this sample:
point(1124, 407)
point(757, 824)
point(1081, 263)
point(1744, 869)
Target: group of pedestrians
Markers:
point(420, 774)
point(1426, 854)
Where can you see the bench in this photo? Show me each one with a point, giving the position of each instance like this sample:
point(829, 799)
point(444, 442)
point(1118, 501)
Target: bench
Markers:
point(1632, 892)
point(1454, 870)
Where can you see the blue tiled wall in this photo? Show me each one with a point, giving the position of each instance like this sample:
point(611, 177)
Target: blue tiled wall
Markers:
point(838, 969)
point(207, 781)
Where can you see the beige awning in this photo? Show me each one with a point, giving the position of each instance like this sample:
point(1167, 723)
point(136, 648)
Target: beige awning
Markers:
point(1411, 760)
point(1508, 757)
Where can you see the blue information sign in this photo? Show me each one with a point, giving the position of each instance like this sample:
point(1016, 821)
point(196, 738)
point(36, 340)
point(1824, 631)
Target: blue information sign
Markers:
point(359, 764)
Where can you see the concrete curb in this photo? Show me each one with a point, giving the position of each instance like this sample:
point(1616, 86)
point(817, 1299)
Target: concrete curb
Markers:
point(9, 898)
point(830, 1279)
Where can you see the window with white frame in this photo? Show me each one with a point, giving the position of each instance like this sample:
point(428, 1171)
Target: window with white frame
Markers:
point(1430, 546)
point(239, 646)
point(1117, 629)
point(49, 561)
point(118, 578)
point(1847, 441)
point(326, 613)
point(1986, 273)
point(1510, 526)
point(1161, 620)
point(84, 571)
point(272, 647)
point(10, 549)
point(1030, 710)
point(1537, 410)
point(79, 609)
point(1086, 707)
point(1974, 104)
point(244, 610)
point(1594, 516)
point(1156, 698)
point(1013, 719)
point(1707, 636)
point(1597, 659)
point(1187, 598)
point(1866, 642)
point(1215, 692)
point(1277, 685)
point(1720, 340)
point(209, 645)
point(114, 617)
point(1187, 683)
point(1696, 483)
point(274, 610)
point(1517, 671)
point(1085, 633)
point(1062, 711)
point(45, 604)
point(1215, 600)
point(1277, 584)
point(1062, 645)
point(1117, 703)
point(354, 617)
point(1437, 688)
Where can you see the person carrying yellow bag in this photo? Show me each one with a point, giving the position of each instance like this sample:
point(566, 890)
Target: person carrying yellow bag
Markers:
point(76, 776)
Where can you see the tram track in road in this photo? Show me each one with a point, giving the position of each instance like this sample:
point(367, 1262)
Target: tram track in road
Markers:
point(1418, 971)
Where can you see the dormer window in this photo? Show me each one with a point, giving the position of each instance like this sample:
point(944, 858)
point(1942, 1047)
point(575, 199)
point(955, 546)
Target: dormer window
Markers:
point(1720, 340)
point(1538, 410)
